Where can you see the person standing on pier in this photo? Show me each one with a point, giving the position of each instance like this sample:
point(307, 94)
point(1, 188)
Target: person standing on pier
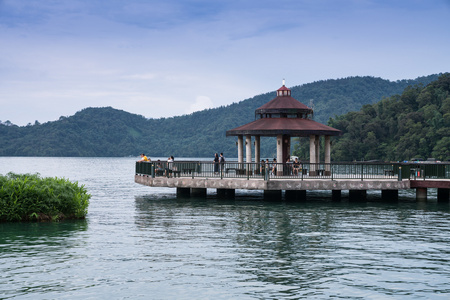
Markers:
point(222, 162)
point(169, 166)
point(262, 168)
point(216, 163)
point(274, 167)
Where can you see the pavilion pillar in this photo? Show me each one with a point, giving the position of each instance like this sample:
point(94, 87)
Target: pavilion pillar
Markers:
point(286, 147)
point(248, 148)
point(312, 155)
point(257, 152)
point(317, 145)
point(327, 155)
point(240, 149)
point(279, 154)
point(248, 153)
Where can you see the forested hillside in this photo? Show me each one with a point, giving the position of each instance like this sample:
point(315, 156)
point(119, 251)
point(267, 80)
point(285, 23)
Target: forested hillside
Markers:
point(413, 124)
point(110, 132)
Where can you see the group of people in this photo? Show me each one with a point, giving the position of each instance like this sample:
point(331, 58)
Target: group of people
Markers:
point(159, 169)
point(219, 162)
point(296, 166)
point(293, 167)
point(267, 165)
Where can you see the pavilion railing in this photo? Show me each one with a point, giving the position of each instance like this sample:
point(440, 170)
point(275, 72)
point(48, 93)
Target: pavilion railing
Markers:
point(340, 170)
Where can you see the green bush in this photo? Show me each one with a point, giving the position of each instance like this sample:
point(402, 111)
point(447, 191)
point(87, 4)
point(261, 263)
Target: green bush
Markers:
point(28, 197)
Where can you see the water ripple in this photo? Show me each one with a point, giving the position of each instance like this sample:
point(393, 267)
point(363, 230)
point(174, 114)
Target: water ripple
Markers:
point(141, 243)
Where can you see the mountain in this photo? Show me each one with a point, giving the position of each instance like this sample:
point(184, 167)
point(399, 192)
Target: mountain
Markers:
point(401, 127)
point(110, 132)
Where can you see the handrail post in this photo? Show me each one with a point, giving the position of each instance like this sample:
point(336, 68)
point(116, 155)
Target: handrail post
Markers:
point(399, 173)
point(152, 170)
point(362, 172)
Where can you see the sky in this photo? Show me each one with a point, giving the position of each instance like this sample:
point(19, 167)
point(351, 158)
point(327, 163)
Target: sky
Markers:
point(173, 57)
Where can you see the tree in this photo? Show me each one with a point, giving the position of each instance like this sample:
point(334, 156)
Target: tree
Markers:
point(442, 149)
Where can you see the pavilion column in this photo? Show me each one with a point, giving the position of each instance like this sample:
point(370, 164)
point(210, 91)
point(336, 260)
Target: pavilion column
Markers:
point(248, 148)
point(240, 149)
point(317, 144)
point(286, 147)
point(312, 155)
point(327, 155)
point(279, 154)
point(257, 151)
point(248, 152)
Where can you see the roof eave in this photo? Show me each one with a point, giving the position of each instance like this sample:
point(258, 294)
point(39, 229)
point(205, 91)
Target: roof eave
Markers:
point(295, 133)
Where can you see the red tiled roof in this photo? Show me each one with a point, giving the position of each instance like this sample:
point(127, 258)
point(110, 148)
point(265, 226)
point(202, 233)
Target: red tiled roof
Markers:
point(283, 88)
point(290, 126)
point(283, 102)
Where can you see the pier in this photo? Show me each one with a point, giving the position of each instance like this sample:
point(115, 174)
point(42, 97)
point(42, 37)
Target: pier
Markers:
point(193, 178)
point(284, 118)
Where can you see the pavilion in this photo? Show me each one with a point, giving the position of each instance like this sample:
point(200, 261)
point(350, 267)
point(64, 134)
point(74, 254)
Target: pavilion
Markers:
point(284, 117)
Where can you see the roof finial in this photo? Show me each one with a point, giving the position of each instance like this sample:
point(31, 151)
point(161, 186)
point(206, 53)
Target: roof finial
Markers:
point(283, 82)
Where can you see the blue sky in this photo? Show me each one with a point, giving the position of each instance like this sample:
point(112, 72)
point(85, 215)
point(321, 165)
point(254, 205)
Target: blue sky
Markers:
point(169, 58)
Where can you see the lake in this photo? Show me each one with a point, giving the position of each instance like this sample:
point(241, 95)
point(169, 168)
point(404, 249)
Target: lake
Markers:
point(139, 242)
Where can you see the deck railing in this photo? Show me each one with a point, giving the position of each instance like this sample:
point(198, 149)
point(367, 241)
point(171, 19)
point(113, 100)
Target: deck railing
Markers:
point(303, 171)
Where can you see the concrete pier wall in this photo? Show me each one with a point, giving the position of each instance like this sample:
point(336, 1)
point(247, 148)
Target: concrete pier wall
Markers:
point(277, 184)
point(296, 189)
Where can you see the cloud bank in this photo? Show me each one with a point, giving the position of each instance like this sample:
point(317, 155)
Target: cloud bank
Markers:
point(167, 58)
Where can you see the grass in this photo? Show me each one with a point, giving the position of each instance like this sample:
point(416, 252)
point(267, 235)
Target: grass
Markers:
point(28, 197)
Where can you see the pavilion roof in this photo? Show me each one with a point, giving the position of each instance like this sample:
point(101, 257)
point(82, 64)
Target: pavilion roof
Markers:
point(290, 126)
point(282, 103)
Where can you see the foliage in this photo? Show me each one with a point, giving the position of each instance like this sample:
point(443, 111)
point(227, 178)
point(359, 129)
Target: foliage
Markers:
point(109, 132)
point(28, 197)
point(413, 124)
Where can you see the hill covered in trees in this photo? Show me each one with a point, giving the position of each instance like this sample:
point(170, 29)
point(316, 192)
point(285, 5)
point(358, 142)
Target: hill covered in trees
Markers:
point(413, 124)
point(110, 132)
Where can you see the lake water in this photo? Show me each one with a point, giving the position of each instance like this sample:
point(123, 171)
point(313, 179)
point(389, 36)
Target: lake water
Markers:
point(139, 242)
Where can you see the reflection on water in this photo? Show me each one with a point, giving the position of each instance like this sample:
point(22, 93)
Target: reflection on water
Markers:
point(29, 250)
point(144, 243)
point(310, 249)
point(53, 234)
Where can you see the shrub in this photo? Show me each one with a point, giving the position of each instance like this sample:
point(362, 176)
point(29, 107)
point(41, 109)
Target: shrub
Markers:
point(28, 197)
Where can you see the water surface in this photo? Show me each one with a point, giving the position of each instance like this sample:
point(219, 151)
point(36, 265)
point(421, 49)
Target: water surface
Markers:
point(143, 243)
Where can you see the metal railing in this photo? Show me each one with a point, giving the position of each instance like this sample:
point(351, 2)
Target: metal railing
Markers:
point(302, 171)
